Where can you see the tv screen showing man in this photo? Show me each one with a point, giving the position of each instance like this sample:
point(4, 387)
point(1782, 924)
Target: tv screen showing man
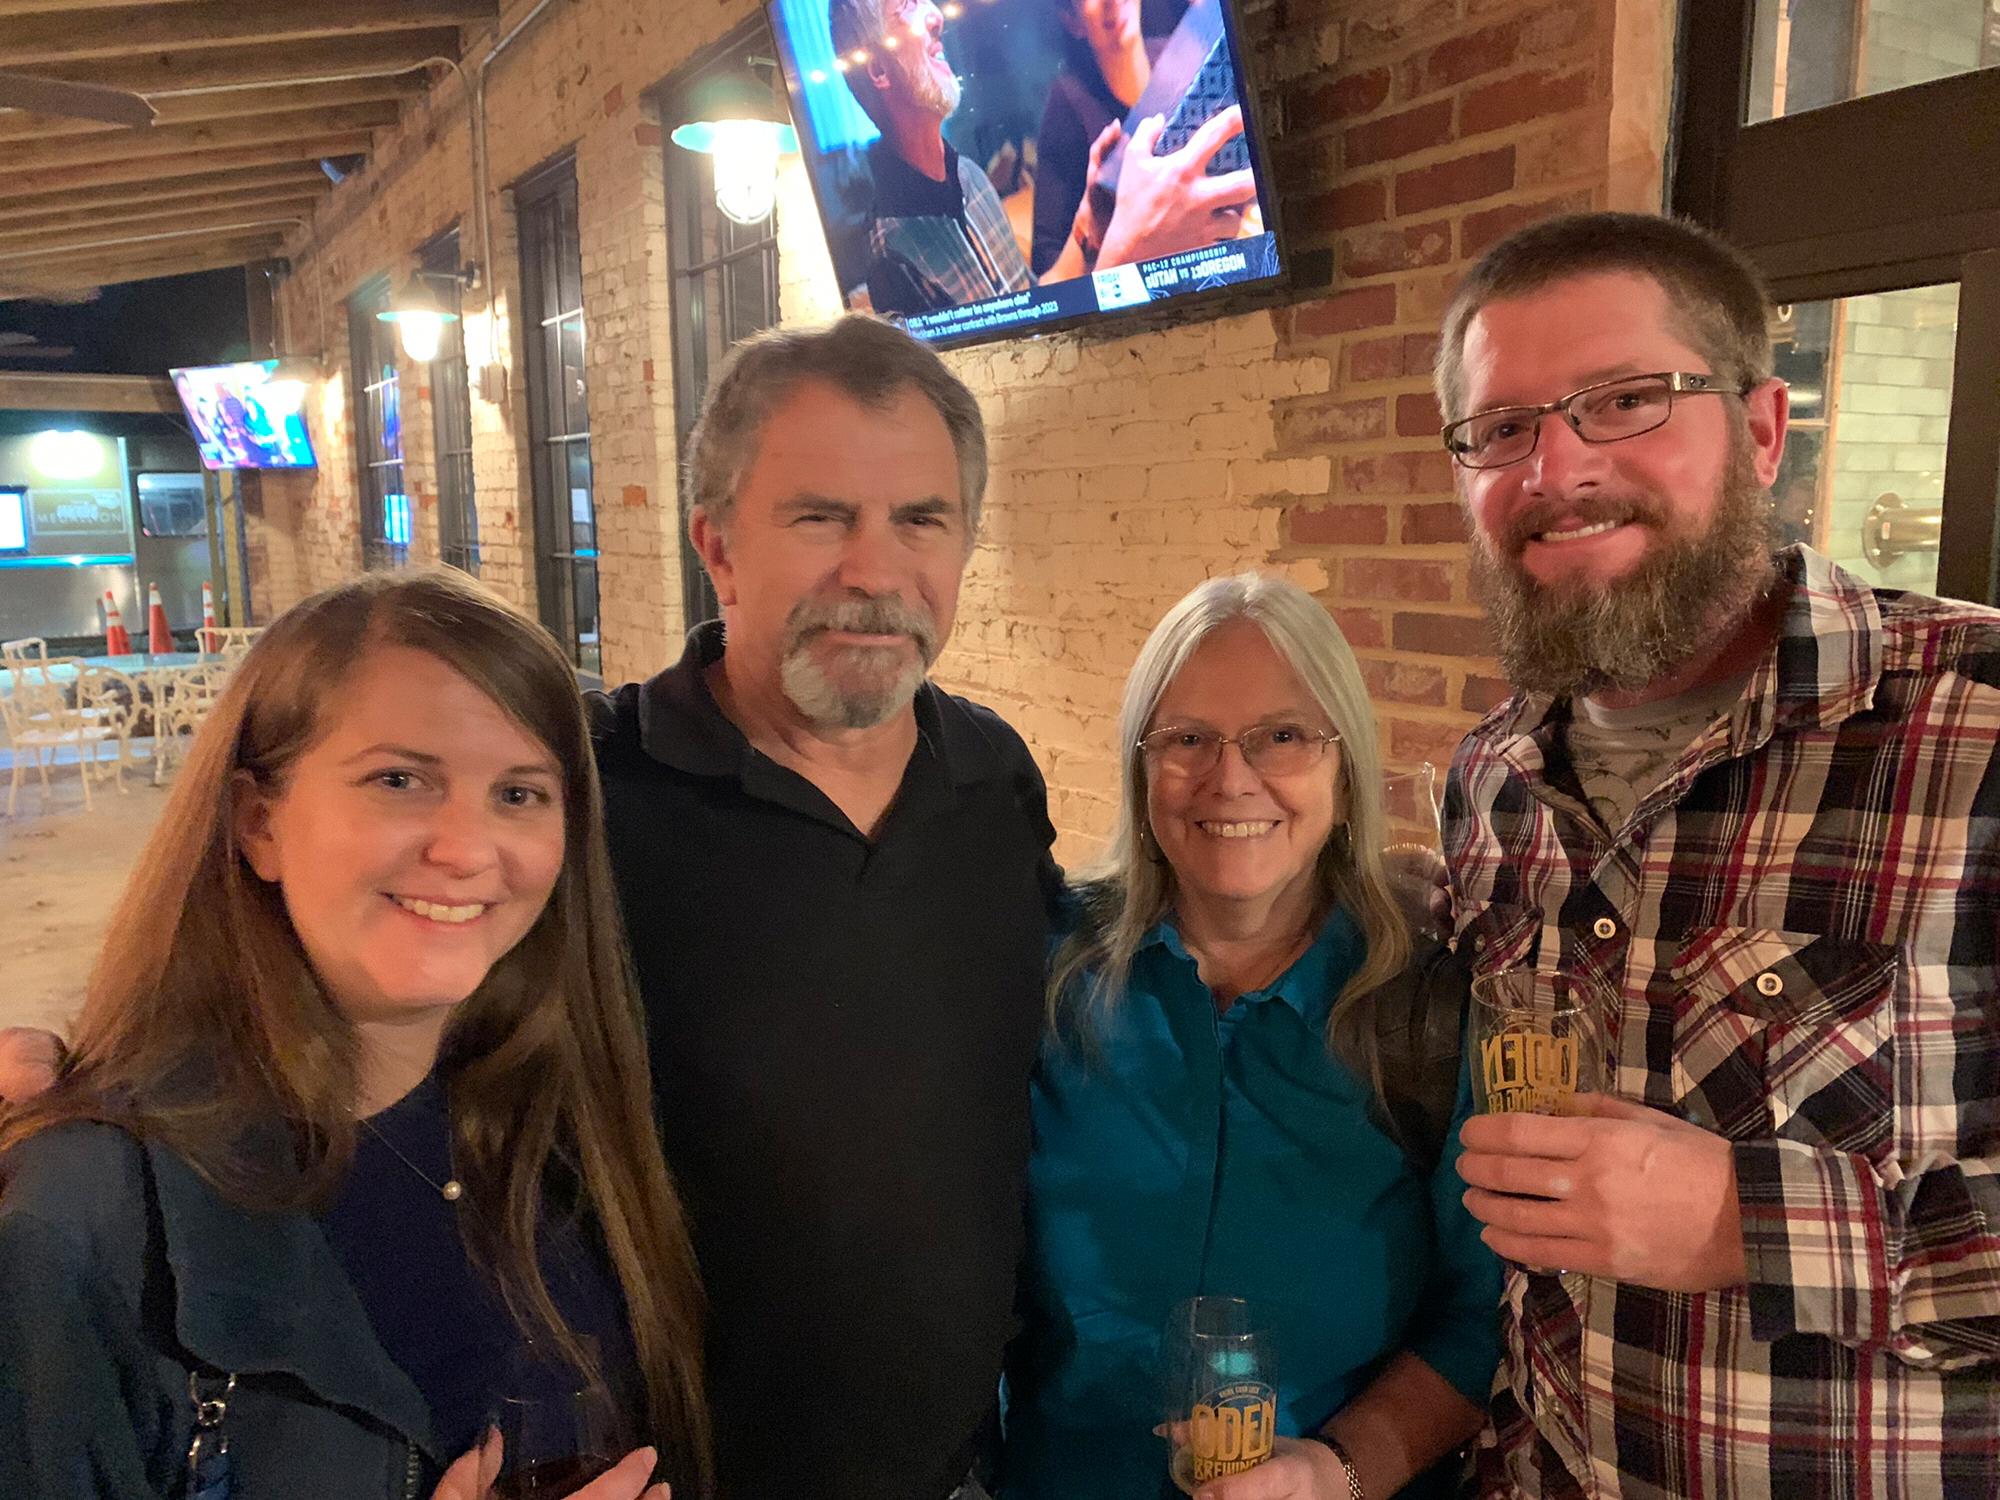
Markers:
point(981, 167)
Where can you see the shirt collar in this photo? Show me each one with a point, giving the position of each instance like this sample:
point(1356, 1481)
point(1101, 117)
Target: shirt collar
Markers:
point(1822, 668)
point(1308, 986)
point(682, 726)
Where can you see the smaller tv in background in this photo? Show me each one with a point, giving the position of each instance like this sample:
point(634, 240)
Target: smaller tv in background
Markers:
point(236, 423)
point(13, 522)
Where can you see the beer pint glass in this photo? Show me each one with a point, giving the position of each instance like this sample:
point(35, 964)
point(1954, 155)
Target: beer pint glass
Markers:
point(1539, 1043)
point(1222, 1395)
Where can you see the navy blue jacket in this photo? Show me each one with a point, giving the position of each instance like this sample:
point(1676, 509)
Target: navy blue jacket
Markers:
point(121, 1272)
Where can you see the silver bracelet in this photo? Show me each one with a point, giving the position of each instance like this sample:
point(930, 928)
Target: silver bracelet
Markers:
point(1354, 1491)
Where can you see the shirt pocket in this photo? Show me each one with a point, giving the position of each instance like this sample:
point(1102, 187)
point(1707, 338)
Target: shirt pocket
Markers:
point(1784, 1034)
point(1500, 936)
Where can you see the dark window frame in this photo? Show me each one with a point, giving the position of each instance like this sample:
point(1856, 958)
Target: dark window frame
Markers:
point(1917, 203)
point(451, 414)
point(372, 347)
point(694, 222)
point(552, 305)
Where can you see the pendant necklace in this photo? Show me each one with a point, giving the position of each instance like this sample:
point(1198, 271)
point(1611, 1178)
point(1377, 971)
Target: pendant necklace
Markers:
point(451, 1189)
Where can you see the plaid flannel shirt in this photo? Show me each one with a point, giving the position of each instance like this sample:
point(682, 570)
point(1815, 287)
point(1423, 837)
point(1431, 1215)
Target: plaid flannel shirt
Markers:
point(1796, 939)
point(925, 262)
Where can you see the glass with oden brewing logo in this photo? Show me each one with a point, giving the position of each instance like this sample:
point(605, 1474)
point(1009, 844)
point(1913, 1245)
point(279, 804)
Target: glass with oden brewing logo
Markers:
point(1539, 1043)
point(1222, 1391)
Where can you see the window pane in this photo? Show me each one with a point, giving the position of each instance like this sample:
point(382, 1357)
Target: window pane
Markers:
point(588, 656)
point(576, 405)
point(582, 512)
point(1863, 476)
point(1810, 53)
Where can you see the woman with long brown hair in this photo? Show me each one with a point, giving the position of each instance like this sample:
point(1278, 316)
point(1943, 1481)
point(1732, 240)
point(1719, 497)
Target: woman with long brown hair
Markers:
point(357, 1115)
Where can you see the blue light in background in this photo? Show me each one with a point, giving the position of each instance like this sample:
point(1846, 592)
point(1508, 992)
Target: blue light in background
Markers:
point(836, 119)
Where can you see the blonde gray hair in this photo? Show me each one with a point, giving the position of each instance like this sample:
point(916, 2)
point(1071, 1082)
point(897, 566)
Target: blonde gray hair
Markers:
point(1131, 889)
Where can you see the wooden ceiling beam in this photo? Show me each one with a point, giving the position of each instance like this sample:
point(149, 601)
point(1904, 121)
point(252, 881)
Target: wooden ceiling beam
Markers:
point(289, 179)
point(149, 169)
point(114, 244)
point(48, 390)
point(222, 104)
point(67, 36)
point(183, 215)
point(168, 71)
point(177, 140)
point(18, 281)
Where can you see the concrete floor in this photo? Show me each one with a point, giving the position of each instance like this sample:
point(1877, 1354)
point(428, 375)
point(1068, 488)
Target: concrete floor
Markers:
point(61, 871)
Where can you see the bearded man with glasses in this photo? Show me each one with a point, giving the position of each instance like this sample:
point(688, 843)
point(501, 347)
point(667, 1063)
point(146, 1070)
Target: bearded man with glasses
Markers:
point(1751, 806)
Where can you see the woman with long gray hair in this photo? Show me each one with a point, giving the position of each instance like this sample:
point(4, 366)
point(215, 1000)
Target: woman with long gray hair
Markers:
point(1250, 1087)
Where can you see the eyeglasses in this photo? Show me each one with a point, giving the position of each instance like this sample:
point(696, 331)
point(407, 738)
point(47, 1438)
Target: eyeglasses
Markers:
point(1608, 412)
point(1268, 749)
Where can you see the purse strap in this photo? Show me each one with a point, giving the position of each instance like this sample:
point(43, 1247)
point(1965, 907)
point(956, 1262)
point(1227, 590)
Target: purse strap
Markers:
point(210, 1473)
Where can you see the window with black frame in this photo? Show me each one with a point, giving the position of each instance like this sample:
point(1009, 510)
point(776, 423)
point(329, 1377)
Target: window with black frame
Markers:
point(451, 414)
point(1887, 315)
point(378, 430)
point(559, 412)
point(725, 278)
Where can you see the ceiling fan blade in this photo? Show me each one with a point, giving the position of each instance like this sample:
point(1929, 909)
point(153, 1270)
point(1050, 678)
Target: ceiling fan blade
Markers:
point(82, 101)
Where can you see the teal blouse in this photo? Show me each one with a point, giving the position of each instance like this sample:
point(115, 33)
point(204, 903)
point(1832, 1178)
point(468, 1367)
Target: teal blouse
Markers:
point(1178, 1152)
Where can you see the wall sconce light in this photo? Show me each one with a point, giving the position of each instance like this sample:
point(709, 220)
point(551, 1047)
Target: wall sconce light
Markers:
point(284, 390)
point(420, 314)
point(67, 454)
point(738, 122)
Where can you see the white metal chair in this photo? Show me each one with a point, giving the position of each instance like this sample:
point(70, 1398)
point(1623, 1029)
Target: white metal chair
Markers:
point(109, 698)
point(230, 642)
point(27, 648)
point(182, 698)
point(40, 720)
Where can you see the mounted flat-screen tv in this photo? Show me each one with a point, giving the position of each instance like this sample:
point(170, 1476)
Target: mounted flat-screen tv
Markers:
point(990, 167)
point(236, 424)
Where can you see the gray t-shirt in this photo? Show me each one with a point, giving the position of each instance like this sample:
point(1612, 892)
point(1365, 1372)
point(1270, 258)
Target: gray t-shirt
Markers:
point(1620, 753)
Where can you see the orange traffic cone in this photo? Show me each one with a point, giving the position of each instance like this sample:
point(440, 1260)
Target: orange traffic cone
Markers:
point(208, 636)
point(116, 641)
point(159, 635)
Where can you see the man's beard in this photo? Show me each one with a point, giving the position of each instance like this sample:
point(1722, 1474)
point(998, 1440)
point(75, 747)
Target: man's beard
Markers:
point(868, 684)
point(1577, 637)
point(939, 97)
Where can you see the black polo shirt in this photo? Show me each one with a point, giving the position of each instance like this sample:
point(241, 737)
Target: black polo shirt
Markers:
point(841, 1033)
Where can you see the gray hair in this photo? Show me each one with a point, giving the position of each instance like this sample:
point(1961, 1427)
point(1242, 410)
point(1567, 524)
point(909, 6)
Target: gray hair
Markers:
point(859, 356)
point(1131, 889)
point(1716, 296)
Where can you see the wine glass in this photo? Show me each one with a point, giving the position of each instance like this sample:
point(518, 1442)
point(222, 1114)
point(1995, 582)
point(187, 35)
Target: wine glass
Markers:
point(1413, 841)
point(1222, 1397)
point(1539, 1042)
point(558, 1431)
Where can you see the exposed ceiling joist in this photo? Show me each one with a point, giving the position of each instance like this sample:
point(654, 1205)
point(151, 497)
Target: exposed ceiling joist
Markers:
point(145, 169)
point(49, 391)
point(157, 74)
point(18, 281)
point(222, 104)
point(141, 243)
point(186, 215)
point(177, 140)
point(288, 179)
point(63, 36)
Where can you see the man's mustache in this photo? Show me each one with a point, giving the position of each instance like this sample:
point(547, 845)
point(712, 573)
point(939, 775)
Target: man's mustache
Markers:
point(882, 615)
point(1549, 515)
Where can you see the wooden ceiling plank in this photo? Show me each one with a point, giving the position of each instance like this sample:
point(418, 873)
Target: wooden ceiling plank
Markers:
point(173, 71)
point(297, 178)
point(185, 214)
point(222, 104)
point(97, 265)
point(28, 281)
point(48, 390)
point(67, 36)
point(175, 140)
point(112, 242)
point(148, 169)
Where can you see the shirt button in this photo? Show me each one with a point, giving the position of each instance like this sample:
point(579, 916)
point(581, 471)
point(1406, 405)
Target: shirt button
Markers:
point(1604, 927)
point(1770, 985)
